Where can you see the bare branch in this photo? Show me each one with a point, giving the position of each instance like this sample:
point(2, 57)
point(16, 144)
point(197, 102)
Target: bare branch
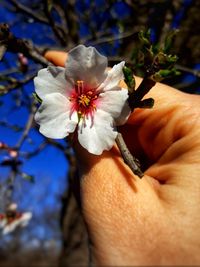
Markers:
point(58, 33)
point(72, 22)
point(188, 70)
point(17, 45)
point(35, 15)
point(27, 127)
point(35, 152)
point(29, 11)
point(113, 38)
point(16, 84)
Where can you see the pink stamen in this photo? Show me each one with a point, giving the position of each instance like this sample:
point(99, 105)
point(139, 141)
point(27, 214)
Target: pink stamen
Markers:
point(84, 102)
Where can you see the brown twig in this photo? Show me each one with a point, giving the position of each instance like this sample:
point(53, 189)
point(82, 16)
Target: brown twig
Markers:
point(27, 127)
point(131, 161)
point(35, 15)
point(16, 84)
point(72, 22)
point(17, 45)
point(188, 70)
point(113, 38)
point(58, 31)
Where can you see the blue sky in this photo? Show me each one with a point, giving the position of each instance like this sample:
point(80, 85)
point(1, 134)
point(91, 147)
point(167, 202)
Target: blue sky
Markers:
point(49, 167)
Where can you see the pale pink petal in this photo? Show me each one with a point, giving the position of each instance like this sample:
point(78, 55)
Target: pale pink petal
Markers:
point(54, 118)
point(98, 135)
point(86, 64)
point(113, 78)
point(52, 80)
point(115, 103)
point(24, 220)
point(10, 227)
point(3, 222)
point(13, 206)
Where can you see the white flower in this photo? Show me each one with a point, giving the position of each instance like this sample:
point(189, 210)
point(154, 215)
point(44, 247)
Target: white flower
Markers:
point(9, 222)
point(84, 95)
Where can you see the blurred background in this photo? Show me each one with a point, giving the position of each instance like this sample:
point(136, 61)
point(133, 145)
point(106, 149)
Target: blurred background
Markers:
point(36, 172)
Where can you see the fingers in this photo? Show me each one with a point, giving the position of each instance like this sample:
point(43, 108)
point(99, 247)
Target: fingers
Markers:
point(150, 132)
point(58, 58)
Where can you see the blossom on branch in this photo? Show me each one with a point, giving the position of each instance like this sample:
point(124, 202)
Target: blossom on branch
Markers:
point(12, 219)
point(83, 96)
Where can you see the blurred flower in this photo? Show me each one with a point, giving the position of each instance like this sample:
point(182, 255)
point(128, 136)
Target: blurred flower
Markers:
point(84, 95)
point(13, 153)
point(3, 145)
point(23, 62)
point(12, 219)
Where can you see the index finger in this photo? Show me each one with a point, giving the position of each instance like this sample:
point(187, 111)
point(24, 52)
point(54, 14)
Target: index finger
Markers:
point(58, 58)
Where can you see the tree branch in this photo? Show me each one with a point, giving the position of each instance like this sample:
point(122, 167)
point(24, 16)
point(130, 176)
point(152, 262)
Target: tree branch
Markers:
point(58, 31)
point(17, 45)
point(27, 127)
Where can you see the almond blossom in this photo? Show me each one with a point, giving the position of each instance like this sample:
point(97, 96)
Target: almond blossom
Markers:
point(84, 96)
point(12, 219)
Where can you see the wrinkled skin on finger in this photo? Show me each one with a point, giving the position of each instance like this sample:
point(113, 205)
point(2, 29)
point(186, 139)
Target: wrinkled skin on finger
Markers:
point(154, 220)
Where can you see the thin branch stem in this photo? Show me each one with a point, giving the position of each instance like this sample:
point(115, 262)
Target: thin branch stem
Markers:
point(53, 25)
point(26, 128)
point(17, 45)
point(113, 38)
point(186, 69)
point(131, 161)
point(16, 84)
point(35, 15)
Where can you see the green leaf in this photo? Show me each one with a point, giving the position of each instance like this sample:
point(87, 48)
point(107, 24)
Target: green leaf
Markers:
point(129, 79)
point(28, 177)
point(49, 5)
point(169, 40)
point(172, 59)
point(163, 74)
point(37, 98)
point(144, 37)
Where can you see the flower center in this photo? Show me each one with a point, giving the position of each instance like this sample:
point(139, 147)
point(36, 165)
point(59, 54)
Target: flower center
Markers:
point(83, 100)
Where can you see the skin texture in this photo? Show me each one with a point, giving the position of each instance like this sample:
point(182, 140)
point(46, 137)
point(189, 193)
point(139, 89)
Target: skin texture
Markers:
point(154, 220)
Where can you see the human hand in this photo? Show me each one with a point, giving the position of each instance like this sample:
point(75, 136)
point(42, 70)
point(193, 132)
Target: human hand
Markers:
point(154, 220)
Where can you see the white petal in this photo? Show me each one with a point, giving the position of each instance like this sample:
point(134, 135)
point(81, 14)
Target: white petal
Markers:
point(3, 222)
point(25, 218)
point(10, 227)
point(86, 64)
point(98, 135)
point(12, 206)
point(113, 78)
point(52, 80)
point(115, 103)
point(54, 116)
